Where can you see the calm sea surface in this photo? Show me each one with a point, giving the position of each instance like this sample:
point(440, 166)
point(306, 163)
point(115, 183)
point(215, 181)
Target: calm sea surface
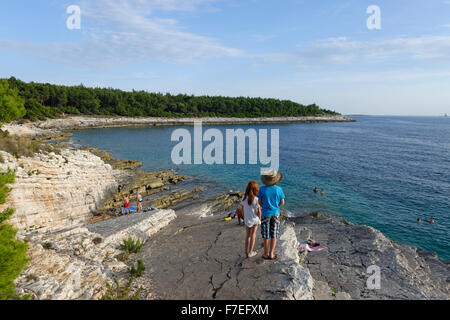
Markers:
point(379, 171)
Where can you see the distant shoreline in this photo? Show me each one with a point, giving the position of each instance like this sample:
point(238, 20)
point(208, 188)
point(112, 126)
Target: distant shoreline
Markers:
point(45, 127)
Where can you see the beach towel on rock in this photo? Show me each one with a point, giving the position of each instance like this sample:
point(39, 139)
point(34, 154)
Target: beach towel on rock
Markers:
point(305, 246)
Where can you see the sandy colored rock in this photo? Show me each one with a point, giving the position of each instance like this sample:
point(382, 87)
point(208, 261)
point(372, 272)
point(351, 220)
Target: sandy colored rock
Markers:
point(54, 191)
point(74, 265)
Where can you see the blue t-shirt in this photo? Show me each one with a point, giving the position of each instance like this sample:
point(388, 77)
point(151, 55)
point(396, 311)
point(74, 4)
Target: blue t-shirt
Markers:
point(270, 198)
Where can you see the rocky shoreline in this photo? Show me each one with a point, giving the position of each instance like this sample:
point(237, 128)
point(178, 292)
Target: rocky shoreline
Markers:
point(342, 271)
point(67, 207)
point(52, 127)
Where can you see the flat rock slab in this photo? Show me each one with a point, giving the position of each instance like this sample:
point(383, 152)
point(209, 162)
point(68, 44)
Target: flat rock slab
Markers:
point(341, 271)
point(112, 226)
point(203, 259)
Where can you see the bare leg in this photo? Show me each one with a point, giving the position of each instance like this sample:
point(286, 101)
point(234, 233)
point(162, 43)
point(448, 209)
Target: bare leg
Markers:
point(247, 238)
point(266, 248)
point(273, 243)
point(252, 238)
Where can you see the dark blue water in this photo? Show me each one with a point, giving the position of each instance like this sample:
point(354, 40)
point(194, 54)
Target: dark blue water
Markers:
point(379, 171)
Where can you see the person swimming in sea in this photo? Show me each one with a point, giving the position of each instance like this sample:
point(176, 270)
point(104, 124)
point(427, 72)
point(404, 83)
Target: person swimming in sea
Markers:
point(322, 192)
point(431, 220)
point(316, 190)
point(419, 220)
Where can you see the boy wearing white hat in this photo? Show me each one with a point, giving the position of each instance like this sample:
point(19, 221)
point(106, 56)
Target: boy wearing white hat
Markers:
point(271, 197)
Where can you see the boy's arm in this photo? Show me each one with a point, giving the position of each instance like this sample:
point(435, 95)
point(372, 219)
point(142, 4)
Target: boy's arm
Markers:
point(282, 202)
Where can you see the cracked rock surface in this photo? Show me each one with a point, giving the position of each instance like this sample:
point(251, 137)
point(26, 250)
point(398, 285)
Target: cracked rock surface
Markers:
point(341, 271)
point(204, 258)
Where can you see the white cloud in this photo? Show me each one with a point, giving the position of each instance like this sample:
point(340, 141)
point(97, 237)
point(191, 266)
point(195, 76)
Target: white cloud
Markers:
point(342, 50)
point(121, 32)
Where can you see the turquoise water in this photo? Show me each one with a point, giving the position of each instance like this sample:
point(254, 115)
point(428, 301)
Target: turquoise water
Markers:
point(379, 171)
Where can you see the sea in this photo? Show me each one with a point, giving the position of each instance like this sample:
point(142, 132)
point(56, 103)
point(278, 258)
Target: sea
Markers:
point(380, 171)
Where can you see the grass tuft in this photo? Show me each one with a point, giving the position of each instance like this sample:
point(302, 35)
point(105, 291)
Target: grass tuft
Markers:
point(132, 246)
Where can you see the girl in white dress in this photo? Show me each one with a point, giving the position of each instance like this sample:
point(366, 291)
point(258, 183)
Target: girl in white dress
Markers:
point(252, 216)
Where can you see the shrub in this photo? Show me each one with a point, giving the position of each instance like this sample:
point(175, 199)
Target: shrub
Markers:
point(21, 146)
point(123, 256)
point(12, 252)
point(138, 271)
point(116, 292)
point(5, 178)
point(132, 246)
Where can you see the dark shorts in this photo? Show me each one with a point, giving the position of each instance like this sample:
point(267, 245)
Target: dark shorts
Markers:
point(270, 227)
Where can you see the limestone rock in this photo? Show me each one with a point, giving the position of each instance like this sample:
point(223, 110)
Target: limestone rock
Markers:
point(54, 191)
point(75, 265)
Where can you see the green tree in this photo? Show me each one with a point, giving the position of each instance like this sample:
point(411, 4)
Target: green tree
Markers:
point(47, 101)
point(12, 252)
point(11, 104)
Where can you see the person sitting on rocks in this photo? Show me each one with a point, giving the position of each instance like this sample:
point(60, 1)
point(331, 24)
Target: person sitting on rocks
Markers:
point(271, 197)
point(126, 205)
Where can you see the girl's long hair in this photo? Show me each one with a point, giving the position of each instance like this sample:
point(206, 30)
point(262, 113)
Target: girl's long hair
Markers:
point(251, 192)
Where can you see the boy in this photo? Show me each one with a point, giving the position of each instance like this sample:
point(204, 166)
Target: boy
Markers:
point(271, 197)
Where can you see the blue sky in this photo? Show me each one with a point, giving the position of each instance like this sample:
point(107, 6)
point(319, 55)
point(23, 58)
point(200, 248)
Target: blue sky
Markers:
point(307, 51)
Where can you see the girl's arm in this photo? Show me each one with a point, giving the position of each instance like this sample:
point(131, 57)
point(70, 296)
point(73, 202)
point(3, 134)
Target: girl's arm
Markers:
point(259, 213)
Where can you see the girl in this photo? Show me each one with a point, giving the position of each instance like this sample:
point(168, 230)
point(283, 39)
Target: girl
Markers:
point(252, 216)
point(139, 202)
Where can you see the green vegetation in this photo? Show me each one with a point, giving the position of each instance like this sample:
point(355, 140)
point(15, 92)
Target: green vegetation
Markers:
point(129, 246)
point(12, 252)
point(138, 271)
point(117, 292)
point(43, 101)
point(333, 292)
point(11, 105)
point(123, 256)
point(23, 146)
point(132, 246)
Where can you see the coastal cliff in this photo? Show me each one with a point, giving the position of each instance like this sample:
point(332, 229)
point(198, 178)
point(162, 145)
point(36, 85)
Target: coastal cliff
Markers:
point(67, 206)
point(55, 191)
